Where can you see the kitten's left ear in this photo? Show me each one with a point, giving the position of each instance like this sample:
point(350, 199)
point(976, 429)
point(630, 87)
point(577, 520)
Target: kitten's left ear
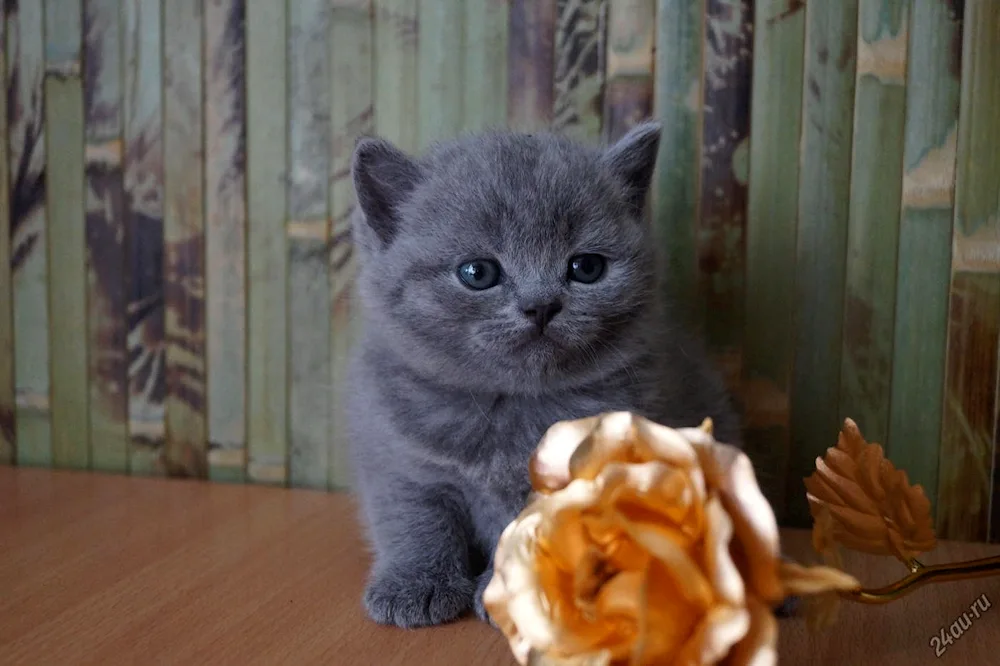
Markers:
point(633, 158)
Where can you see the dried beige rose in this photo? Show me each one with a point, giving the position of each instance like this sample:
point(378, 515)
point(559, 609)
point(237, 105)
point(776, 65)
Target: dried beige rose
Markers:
point(873, 507)
point(644, 545)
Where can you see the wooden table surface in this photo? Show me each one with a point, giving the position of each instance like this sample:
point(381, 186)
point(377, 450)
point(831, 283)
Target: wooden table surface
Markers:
point(114, 570)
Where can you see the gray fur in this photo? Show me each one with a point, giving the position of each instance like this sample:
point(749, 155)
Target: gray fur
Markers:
point(452, 390)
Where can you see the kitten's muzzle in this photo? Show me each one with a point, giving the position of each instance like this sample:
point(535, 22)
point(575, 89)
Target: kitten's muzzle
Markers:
point(542, 313)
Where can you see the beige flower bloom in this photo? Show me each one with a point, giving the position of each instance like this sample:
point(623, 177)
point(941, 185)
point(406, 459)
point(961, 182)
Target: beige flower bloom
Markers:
point(645, 545)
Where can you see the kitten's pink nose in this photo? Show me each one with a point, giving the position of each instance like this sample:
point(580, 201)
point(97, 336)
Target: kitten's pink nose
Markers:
point(542, 313)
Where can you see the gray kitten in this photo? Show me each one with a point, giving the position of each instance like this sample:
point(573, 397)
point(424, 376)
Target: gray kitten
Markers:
point(508, 281)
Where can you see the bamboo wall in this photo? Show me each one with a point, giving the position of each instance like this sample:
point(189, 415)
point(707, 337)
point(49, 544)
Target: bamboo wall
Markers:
point(175, 262)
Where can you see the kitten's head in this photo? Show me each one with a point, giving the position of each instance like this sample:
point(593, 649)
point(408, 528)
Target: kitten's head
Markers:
point(507, 262)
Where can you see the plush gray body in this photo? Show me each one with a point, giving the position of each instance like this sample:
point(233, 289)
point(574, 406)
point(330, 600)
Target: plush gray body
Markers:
point(452, 388)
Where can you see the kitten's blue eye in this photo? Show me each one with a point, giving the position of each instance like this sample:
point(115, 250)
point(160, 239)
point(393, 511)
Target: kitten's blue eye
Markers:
point(587, 268)
point(479, 273)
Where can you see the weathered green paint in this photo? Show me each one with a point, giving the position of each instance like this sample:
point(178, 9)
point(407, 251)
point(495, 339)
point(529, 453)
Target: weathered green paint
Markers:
point(678, 107)
point(579, 68)
point(107, 321)
point(821, 245)
point(485, 69)
point(440, 40)
point(628, 95)
point(772, 223)
point(396, 61)
point(308, 228)
point(63, 35)
point(873, 222)
point(8, 443)
point(530, 64)
point(968, 460)
point(225, 237)
point(185, 452)
point(142, 110)
point(267, 323)
point(351, 116)
point(924, 255)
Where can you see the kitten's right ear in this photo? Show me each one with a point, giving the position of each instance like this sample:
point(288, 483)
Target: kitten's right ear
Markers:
point(383, 177)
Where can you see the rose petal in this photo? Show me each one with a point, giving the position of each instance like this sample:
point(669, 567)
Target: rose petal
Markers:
point(759, 646)
point(668, 621)
point(722, 627)
point(549, 466)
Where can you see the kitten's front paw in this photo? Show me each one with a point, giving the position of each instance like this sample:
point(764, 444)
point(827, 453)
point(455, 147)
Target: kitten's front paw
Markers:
point(413, 599)
point(480, 607)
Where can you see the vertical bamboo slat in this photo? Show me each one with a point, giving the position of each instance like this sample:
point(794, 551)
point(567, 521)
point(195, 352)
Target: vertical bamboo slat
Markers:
point(143, 185)
point(924, 254)
point(485, 57)
point(970, 432)
point(225, 237)
point(873, 220)
point(824, 190)
point(720, 234)
point(440, 38)
point(184, 238)
point(628, 97)
point(106, 301)
point(579, 68)
point(396, 72)
point(308, 241)
point(8, 443)
point(351, 116)
point(772, 216)
point(678, 108)
point(267, 322)
point(29, 237)
point(530, 64)
point(64, 125)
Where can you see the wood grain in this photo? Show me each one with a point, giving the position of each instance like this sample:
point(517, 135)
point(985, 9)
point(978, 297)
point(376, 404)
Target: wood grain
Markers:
point(64, 205)
point(29, 237)
point(308, 243)
point(821, 245)
point(677, 101)
point(8, 400)
point(924, 254)
point(531, 64)
point(772, 225)
point(267, 255)
point(579, 68)
point(485, 69)
point(105, 226)
point(721, 230)
point(225, 237)
point(267, 575)
point(185, 453)
point(440, 45)
point(351, 116)
point(873, 220)
point(396, 62)
point(631, 41)
point(142, 111)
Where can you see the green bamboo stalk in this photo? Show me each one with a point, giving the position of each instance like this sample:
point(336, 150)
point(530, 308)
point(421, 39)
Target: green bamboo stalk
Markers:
point(142, 108)
point(8, 400)
point(772, 222)
point(440, 45)
point(65, 205)
point(873, 220)
point(396, 72)
point(485, 70)
point(29, 236)
point(185, 453)
point(631, 42)
point(308, 241)
point(267, 324)
point(824, 192)
point(530, 64)
point(106, 298)
point(970, 429)
point(924, 255)
point(579, 68)
point(351, 116)
point(678, 107)
point(225, 237)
